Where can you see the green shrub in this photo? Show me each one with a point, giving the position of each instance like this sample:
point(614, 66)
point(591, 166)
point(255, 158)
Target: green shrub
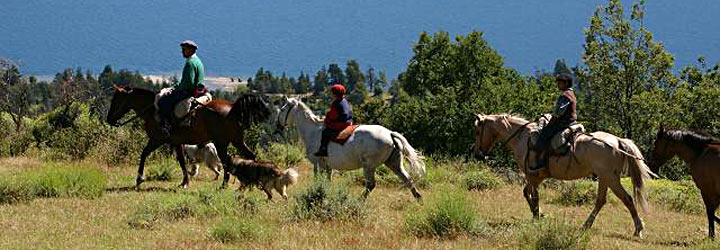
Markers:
point(446, 215)
point(553, 234)
point(675, 170)
point(166, 170)
point(53, 181)
point(234, 230)
point(680, 196)
point(323, 202)
point(481, 180)
point(577, 193)
point(282, 154)
point(120, 145)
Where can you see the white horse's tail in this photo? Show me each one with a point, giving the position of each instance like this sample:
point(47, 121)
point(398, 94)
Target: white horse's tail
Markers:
point(638, 170)
point(417, 166)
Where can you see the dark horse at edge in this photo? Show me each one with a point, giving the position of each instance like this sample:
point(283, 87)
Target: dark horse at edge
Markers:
point(220, 122)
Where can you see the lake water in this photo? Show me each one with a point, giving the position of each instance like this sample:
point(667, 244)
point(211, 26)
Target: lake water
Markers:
point(238, 37)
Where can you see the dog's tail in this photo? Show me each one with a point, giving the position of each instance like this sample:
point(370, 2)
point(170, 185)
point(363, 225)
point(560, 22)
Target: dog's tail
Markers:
point(289, 177)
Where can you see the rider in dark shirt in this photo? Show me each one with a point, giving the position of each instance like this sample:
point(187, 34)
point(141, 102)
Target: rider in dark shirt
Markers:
point(338, 118)
point(563, 116)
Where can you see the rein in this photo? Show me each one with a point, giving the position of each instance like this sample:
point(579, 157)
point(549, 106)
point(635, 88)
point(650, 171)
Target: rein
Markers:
point(137, 115)
point(284, 124)
point(517, 131)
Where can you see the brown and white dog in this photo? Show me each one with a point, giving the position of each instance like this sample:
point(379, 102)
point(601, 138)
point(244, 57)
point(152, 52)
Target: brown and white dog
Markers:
point(264, 175)
point(206, 154)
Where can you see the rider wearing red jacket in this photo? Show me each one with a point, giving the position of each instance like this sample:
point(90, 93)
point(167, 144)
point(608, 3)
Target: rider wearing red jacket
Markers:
point(338, 118)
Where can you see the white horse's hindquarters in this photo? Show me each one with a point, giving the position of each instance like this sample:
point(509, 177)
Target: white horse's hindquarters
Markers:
point(369, 144)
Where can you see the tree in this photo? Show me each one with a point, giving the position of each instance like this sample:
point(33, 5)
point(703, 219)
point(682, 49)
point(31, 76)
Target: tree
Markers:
point(15, 93)
point(624, 67)
point(320, 82)
point(335, 74)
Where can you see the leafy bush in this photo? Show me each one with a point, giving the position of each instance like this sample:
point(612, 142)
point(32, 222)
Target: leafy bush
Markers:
point(553, 234)
point(120, 145)
point(577, 193)
point(53, 181)
point(481, 180)
point(447, 215)
point(323, 202)
point(680, 196)
point(234, 230)
point(166, 170)
point(282, 154)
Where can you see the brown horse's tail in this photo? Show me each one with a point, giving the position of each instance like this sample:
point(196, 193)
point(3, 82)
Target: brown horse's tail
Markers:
point(638, 170)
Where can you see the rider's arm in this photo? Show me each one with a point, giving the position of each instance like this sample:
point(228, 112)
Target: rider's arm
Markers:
point(188, 77)
point(562, 107)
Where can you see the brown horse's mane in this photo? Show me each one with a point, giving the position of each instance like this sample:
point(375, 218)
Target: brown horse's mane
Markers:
point(698, 142)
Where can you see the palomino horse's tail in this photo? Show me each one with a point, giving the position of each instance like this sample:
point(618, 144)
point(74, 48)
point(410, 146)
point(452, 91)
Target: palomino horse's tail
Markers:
point(638, 170)
point(417, 166)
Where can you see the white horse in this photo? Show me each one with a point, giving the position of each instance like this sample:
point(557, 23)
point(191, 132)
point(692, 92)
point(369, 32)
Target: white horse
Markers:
point(367, 148)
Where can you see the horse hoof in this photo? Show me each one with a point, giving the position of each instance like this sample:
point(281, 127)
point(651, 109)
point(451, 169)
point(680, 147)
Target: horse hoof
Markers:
point(638, 234)
point(183, 186)
point(139, 180)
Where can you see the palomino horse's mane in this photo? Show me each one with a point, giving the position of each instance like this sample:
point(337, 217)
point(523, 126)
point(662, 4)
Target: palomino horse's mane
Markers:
point(694, 140)
point(510, 119)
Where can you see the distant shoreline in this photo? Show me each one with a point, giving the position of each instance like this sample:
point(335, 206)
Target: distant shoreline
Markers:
point(224, 83)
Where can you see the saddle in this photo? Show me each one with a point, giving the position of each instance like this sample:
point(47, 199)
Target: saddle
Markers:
point(344, 135)
point(562, 142)
point(183, 107)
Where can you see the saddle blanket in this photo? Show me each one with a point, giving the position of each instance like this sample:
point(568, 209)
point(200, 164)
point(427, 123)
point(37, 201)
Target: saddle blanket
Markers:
point(344, 135)
point(560, 142)
point(183, 107)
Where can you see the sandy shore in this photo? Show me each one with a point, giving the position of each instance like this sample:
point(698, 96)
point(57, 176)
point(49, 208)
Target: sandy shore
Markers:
point(212, 82)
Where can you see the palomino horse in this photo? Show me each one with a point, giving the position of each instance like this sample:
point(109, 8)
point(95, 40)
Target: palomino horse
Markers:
point(599, 153)
point(702, 153)
point(367, 148)
point(211, 123)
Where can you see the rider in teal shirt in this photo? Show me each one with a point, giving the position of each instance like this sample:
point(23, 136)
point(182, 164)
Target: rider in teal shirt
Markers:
point(192, 78)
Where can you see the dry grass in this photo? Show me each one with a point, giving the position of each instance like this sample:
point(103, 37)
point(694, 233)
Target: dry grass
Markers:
point(77, 223)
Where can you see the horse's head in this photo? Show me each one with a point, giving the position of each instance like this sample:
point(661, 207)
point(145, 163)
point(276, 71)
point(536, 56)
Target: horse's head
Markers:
point(660, 153)
point(485, 135)
point(283, 114)
point(249, 109)
point(120, 104)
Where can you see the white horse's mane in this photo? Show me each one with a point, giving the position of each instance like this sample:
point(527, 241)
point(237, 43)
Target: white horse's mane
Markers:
point(306, 111)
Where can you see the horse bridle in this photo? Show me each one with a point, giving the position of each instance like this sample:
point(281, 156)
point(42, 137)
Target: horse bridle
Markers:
point(517, 131)
point(137, 115)
point(284, 124)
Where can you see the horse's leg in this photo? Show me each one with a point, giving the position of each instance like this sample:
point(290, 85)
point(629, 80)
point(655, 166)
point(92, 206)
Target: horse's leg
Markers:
point(530, 191)
point(149, 148)
point(710, 207)
point(626, 199)
point(599, 203)
point(226, 161)
point(244, 149)
point(394, 163)
point(369, 179)
point(179, 155)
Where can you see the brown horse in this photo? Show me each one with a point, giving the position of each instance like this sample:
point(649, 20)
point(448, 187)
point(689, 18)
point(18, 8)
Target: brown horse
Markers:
point(702, 154)
point(220, 122)
point(599, 153)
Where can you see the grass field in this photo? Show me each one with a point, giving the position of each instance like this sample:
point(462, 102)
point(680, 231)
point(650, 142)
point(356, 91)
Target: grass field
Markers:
point(160, 216)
